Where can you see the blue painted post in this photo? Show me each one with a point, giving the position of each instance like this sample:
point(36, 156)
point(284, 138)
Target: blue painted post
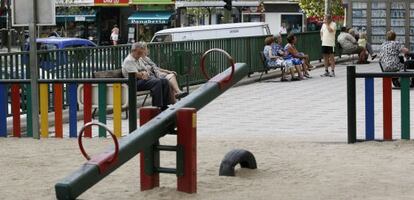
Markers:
point(73, 121)
point(369, 109)
point(3, 110)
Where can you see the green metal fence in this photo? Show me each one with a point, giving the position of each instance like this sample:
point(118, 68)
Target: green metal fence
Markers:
point(182, 57)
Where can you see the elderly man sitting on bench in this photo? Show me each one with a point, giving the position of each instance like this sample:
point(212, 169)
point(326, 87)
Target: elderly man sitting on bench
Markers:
point(160, 88)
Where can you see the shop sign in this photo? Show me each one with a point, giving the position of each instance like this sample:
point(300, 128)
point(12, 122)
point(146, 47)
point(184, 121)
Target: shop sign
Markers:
point(155, 7)
point(153, 2)
point(80, 18)
point(111, 2)
point(148, 21)
point(74, 2)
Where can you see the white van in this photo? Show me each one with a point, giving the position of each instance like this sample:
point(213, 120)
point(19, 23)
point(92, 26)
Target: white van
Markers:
point(219, 31)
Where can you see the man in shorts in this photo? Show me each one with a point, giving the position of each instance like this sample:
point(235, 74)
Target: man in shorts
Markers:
point(328, 31)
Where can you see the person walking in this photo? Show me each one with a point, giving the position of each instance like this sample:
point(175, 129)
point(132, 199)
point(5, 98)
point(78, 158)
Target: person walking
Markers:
point(115, 35)
point(328, 32)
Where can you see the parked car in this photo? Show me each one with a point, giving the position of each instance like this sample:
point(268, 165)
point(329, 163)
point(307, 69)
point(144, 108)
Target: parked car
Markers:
point(49, 60)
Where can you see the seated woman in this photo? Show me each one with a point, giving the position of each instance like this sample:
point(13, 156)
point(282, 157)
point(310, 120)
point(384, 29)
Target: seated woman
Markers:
point(158, 72)
point(298, 58)
point(363, 42)
point(278, 49)
point(273, 60)
point(390, 51)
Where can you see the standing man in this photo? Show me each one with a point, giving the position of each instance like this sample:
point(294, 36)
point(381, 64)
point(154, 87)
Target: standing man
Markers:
point(160, 88)
point(115, 35)
point(328, 31)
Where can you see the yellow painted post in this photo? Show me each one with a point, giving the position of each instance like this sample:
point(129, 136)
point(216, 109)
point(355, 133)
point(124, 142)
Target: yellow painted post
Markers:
point(44, 122)
point(117, 109)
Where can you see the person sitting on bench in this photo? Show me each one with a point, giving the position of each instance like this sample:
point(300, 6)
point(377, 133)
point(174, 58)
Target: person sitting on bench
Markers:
point(390, 51)
point(350, 46)
point(159, 87)
point(278, 49)
point(159, 72)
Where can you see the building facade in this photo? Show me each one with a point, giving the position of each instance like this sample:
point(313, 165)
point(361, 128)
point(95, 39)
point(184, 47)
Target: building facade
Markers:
point(376, 17)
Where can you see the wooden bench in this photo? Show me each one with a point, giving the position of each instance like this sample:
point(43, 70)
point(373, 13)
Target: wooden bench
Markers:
point(351, 55)
point(109, 94)
point(266, 67)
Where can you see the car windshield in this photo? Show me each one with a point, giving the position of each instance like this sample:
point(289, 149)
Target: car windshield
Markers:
point(162, 38)
point(43, 46)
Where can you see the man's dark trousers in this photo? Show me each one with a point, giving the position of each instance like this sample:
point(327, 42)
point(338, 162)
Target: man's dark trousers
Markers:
point(160, 90)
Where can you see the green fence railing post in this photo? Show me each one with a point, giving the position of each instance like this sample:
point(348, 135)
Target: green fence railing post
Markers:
point(405, 108)
point(132, 101)
point(102, 107)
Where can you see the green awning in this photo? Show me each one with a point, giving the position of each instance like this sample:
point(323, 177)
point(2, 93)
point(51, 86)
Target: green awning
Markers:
point(75, 18)
point(150, 17)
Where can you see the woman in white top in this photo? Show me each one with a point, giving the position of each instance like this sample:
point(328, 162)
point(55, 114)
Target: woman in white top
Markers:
point(115, 35)
point(159, 72)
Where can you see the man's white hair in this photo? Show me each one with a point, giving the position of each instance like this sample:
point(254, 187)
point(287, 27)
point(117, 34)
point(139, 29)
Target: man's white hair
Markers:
point(139, 45)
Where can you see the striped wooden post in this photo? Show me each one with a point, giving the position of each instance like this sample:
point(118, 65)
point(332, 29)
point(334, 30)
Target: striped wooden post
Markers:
point(3, 110)
point(387, 107)
point(15, 100)
point(87, 108)
point(117, 109)
point(58, 90)
point(73, 118)
point(102, 107)
point(44, 111)
point(369, 109)
point(29, 112)
point(405, 108)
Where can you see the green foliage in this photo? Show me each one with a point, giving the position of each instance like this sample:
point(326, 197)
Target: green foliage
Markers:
point(316, 8)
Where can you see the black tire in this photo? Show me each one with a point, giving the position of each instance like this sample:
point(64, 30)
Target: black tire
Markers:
point(234, 157)
point(396, 82)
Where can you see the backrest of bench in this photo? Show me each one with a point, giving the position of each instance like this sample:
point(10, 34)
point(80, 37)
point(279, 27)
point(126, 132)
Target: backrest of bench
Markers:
point(380, 64)
point(263, 59)
point(117, 73)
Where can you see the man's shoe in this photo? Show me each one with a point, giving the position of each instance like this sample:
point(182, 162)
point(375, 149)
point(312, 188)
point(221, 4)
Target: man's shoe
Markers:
point(326, 74)
point(332, 74)
point(295, 79)
point(284, 79)
point(181, 95)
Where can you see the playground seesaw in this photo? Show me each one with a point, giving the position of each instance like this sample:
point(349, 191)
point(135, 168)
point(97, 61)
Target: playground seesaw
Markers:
point(143, 138)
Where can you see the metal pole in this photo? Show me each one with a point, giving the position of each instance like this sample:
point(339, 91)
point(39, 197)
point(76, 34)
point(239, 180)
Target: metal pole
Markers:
point(34, 73)
point(351, 104)
point(9, 25)
point(327, 7)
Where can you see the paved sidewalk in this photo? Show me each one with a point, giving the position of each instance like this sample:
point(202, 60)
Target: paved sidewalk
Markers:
point(315, 106)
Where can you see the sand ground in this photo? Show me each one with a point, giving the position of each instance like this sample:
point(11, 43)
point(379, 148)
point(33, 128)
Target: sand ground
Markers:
point(288, 168)
point(296, 130)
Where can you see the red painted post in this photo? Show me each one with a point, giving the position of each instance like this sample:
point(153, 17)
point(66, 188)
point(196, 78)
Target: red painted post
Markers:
point(148, 181)
point(87, 108)
point(15, 101)
point(187, 139)
point(58, 89)
point(387, 108)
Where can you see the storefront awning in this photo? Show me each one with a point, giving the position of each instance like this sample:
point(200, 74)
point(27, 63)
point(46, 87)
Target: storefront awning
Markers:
point(150, 17)
point(75, 18)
